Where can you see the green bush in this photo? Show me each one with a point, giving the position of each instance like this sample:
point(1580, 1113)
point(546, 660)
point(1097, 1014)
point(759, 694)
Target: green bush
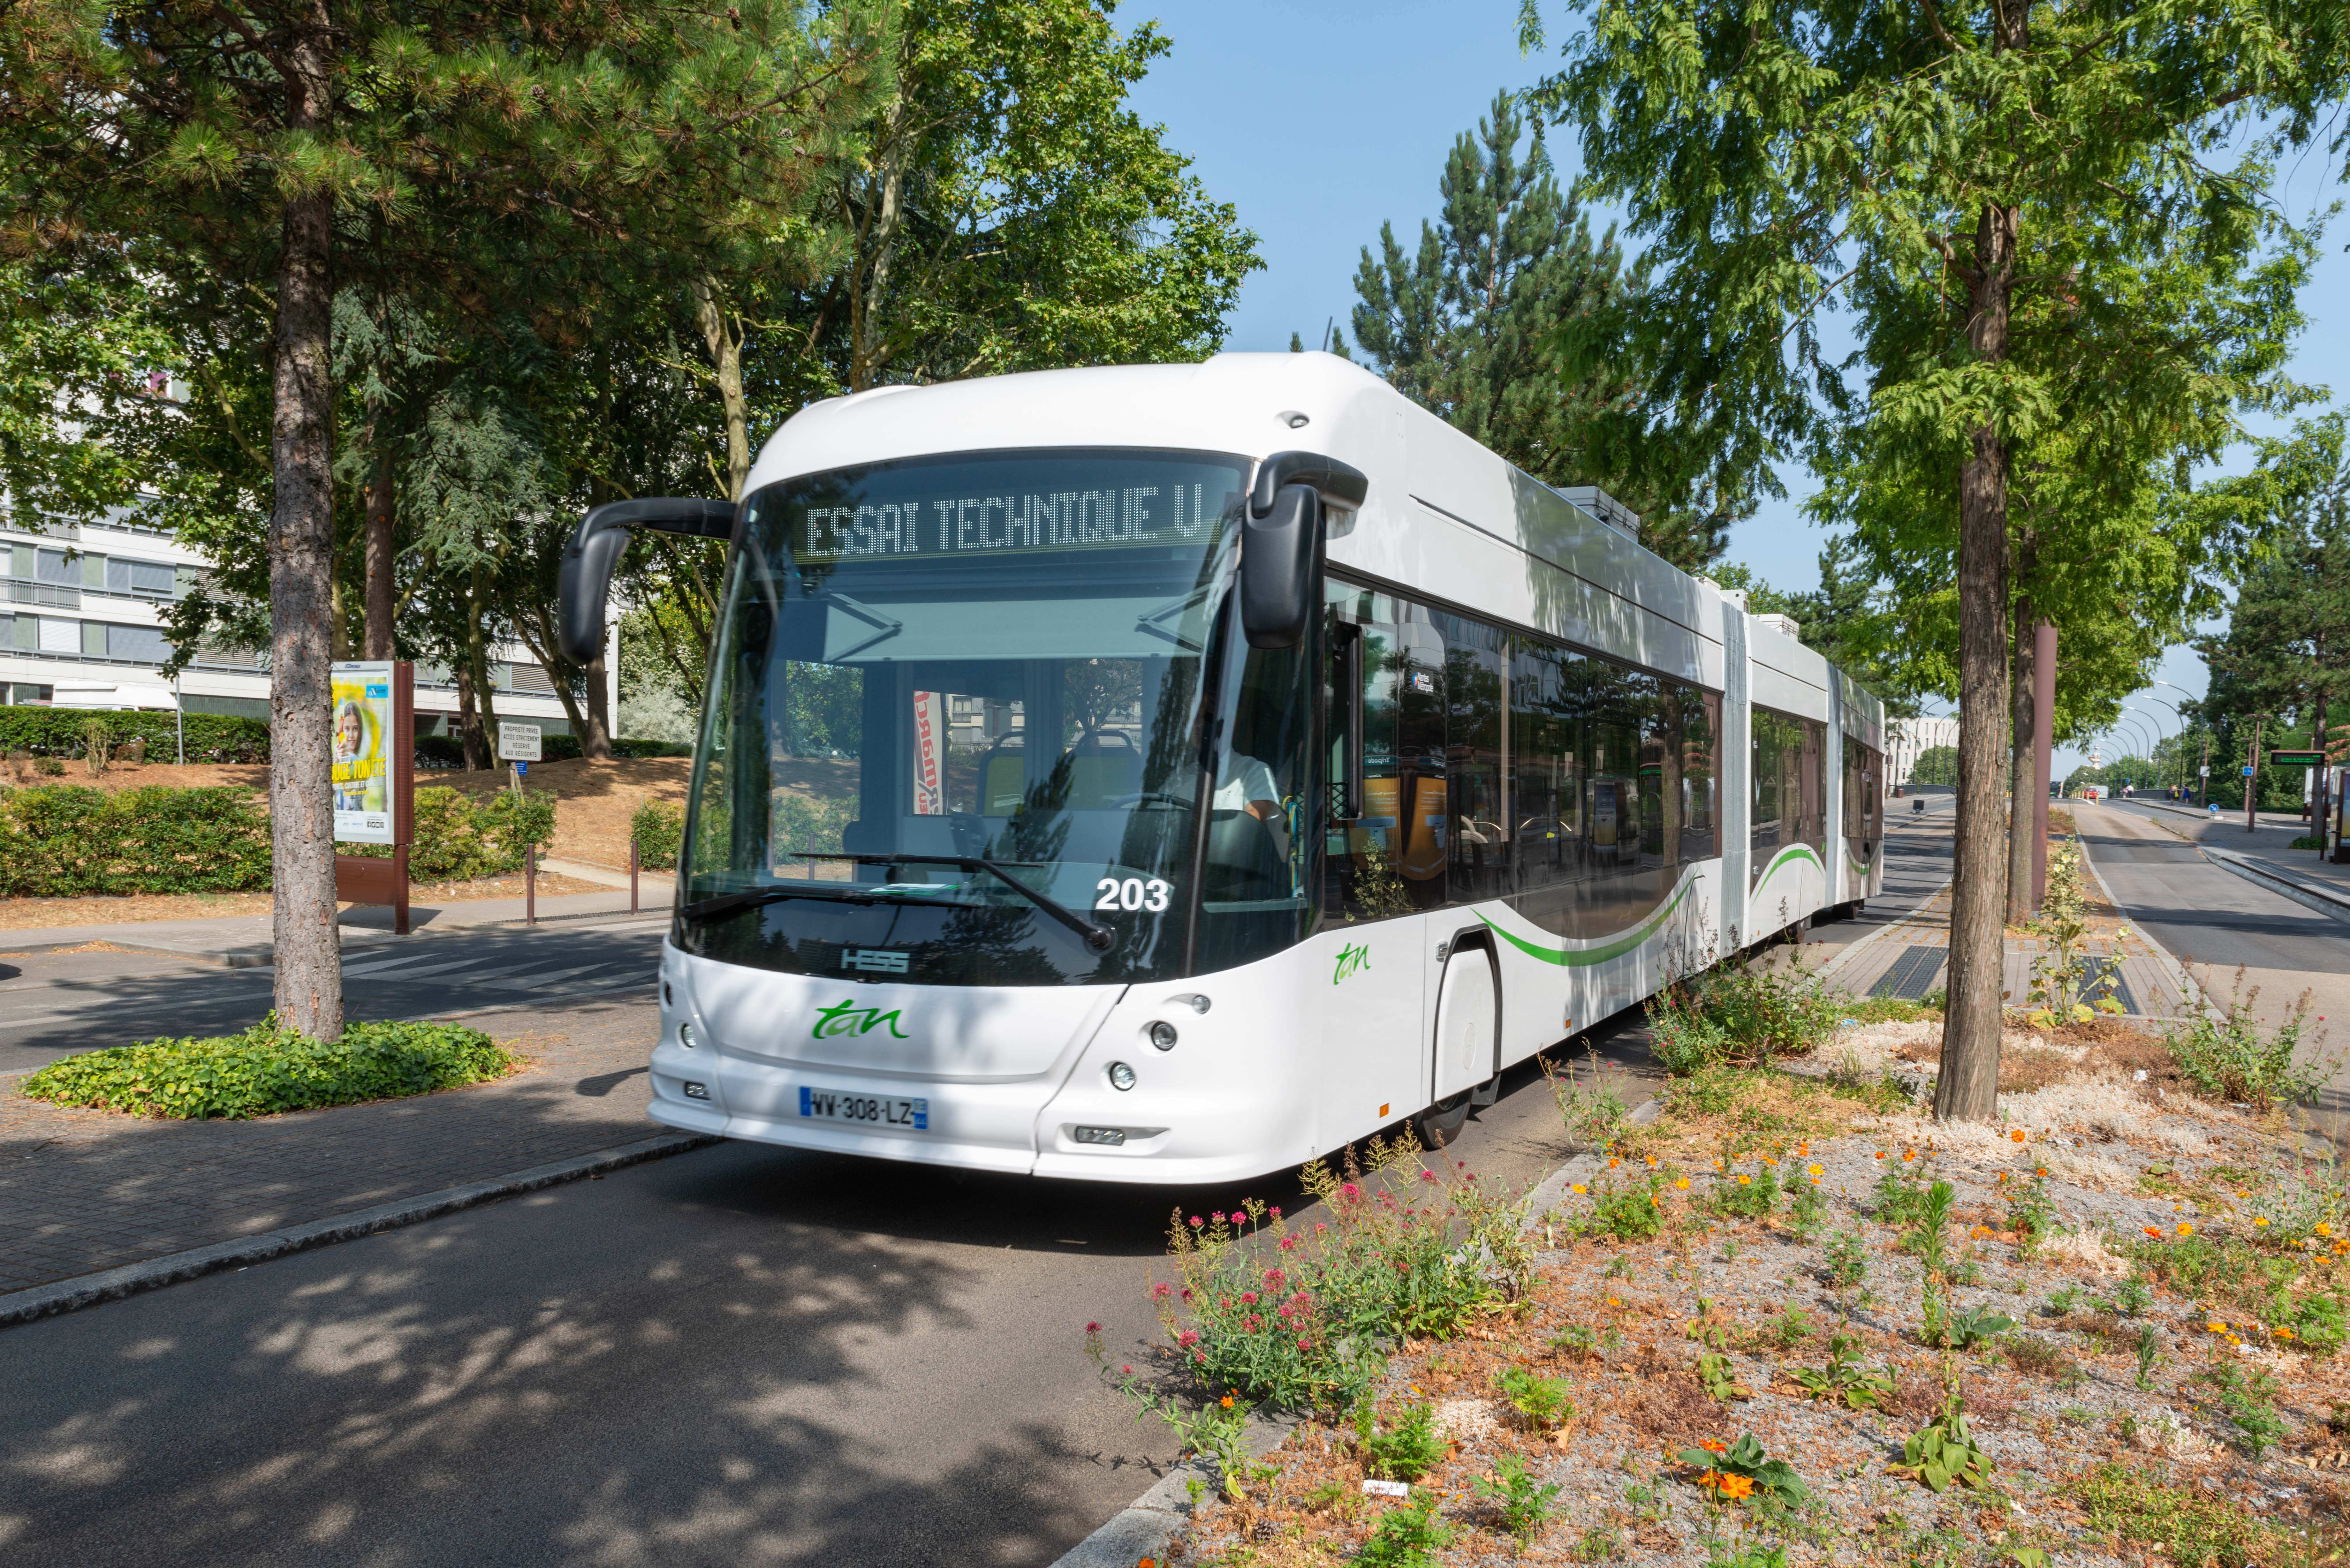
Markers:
point(2229, 1058)
point(269, 1069)
point(1731, 1012)
point(659, 829)
point(211, 737)
point(460, 836)
point(70, 841)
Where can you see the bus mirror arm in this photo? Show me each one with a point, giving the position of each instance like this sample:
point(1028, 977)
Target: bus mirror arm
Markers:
point(584, 580)
point(1279, 549)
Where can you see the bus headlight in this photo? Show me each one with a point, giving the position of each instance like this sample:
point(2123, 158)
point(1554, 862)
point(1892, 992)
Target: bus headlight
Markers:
point(1162, 1035)
point(1121, 1076)
point(685, 1035)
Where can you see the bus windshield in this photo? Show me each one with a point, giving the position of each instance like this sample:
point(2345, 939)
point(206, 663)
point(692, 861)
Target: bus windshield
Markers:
point(952, 732)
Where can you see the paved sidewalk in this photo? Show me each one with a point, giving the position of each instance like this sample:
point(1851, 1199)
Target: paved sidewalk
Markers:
point(245, 940)
point(85, 1190)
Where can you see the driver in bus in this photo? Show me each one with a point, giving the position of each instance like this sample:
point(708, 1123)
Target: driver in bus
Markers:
point(1245, 783)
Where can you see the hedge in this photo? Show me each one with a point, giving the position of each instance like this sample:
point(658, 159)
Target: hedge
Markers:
point(461, 836)
point(211, 737)
point(70, 841)
point(270, 1068)
point(657, 829)
point(67, 841)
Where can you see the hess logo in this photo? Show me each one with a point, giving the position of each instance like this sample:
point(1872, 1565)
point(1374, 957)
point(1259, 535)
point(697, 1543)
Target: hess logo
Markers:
point(848, 1018)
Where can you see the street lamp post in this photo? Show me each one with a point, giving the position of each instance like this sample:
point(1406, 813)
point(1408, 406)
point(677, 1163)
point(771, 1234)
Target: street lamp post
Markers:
point(2158, 736)
point(2204, 768)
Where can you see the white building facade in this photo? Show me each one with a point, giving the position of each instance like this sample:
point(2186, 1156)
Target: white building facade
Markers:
point(82, 626)
point(1906, 740)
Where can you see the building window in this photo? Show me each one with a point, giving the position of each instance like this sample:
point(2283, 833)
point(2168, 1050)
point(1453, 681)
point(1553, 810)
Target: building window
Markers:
point(60, 636)
point(145, 644)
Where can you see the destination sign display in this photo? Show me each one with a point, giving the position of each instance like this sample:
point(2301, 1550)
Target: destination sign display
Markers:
point(2293, 759)
point(954, 509)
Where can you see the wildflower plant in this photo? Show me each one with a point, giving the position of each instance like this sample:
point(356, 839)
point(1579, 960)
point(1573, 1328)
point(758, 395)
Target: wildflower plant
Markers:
point(1741, 1472)
point(1408, 1537)
point(1404, 1450)
point(1943, 1453)
point(1525, 1503)
point(1301, 1315)
point(2231, 1057)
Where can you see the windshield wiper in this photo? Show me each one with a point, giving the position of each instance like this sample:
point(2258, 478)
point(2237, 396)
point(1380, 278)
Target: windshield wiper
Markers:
point(1096, 937)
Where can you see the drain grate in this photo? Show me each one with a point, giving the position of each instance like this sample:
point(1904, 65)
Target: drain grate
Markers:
point(2092, 989)
point(1912, 974)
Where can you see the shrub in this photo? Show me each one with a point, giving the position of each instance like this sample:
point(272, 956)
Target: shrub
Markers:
point(657, 829)
point(460, 836)
point(1525, 1503)
point(1306, 1321)
point(211, 737)
point(270, 1068)
point(2228, 1058)
point(68, 841)
point(1731, 1012)
point(1629, 1213)
point(1404, 1451)
point(1408, 1537)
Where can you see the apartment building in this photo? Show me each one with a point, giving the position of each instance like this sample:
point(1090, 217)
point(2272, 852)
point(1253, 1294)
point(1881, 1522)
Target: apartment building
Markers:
point(81, 626)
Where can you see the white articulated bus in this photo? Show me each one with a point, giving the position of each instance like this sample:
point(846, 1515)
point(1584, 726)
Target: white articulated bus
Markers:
point(1168, 774)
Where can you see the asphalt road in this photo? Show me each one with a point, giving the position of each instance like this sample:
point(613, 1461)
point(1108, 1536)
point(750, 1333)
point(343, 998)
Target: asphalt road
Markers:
point(744, 1355)
point(53, 1005)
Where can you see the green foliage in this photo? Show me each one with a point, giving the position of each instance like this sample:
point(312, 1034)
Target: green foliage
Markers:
point(2187, 1523)
point(62, 733)
point(2031, 1211)
point(2231, 1057)
point(1543, 1402)
point(1306, 1322)
point(1631, 1212)
point(1899, 1196)
point(2318, 1323)
point(1976, 1325)
point(1943, 1453)
point(460, 837)
point(1408, 1537)
point(1737, 1013)
point(1404, 1450)
point(1777, 1487)
point(1844, 1381)
point(1719, 1379)
point(269, 1069)
point(1807, 1211)
point(1936, 765)
point(70, 841)
point(1746, 1195)
point(1527, 1504)
point(2247, 1399)
point(657, 827)
point(1846, 1261)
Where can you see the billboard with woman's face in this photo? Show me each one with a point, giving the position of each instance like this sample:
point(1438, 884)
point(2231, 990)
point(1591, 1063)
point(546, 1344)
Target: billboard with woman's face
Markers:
point(364, 776)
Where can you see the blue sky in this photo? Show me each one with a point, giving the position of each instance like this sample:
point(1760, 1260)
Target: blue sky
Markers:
point(1319, 119)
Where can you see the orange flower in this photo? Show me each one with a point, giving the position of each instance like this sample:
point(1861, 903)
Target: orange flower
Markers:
point(1736, 1488)
point(2186, 1229)
point(1682, 1184)
point(2017, 1135)
point(2155, 1231)
point(2323, 1229)
point(1908, 1154)
point(1228, 1401)
point(1880, 1153)
point(1614, 1163)
point(1745, 1181)
point(1713, 1446)
point(1816, 1170)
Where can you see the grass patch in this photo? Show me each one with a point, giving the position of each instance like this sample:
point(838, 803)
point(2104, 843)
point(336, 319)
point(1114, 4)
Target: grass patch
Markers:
point(270, 1069)
point(2194, 1526)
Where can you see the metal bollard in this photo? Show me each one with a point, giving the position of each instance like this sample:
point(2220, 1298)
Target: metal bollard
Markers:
point(530, 884)
point(633, 861)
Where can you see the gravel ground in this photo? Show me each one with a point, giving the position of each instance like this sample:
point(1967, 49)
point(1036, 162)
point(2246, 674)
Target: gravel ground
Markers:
point(2131, 1164)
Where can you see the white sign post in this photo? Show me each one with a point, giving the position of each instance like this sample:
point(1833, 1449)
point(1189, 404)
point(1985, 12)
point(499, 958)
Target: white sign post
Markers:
point(518, 745)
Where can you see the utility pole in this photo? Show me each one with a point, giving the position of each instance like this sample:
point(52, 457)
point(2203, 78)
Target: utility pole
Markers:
point(2044, 745)
point(2253, 774)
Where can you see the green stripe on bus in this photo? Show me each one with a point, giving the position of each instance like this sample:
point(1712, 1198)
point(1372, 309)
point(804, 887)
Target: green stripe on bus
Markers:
point(1577, 958)
point(1793, 851)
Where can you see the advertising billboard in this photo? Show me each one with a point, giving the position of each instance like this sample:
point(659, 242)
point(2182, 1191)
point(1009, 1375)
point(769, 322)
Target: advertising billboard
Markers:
point(367, 808)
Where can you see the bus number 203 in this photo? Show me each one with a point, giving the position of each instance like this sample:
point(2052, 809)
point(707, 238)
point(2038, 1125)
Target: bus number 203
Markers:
point(1133, 893)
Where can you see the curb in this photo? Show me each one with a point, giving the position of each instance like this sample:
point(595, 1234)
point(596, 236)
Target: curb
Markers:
point(2324, 900)
point(37, 1302)
point(1149, 1526)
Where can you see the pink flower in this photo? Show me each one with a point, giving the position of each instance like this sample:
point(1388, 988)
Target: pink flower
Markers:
point(1319, 1227)
point(1161, 1291)
point(1350, 1190)
point(1187, 1292)
point(1288, 1243)
point(1273, 1276)
point(1428, 1176)
point(1195, 1221)
point(1218, 1216)
point(1127, 1370)
point(1199, 1357)
point(1092, 1328)
point(1305, 1343)
point(1248, 1298)
point(1188, 1338)
point(1276, 1212)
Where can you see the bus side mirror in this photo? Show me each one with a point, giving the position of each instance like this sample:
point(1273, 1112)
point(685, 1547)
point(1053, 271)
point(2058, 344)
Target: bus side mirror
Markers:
point(1278, 553)
point(585, 578)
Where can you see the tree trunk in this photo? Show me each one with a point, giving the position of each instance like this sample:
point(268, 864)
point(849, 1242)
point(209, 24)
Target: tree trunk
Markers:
point(1968, 1088)
point(2019, 796)
point(378, 637)
point(869, 304)
point(725, 341)
point(469, 720)
point(477, 666)
point(308, 983)
point(596, 739)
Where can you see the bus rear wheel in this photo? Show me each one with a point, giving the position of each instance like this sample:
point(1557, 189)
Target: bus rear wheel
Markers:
point(1442, 1123)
